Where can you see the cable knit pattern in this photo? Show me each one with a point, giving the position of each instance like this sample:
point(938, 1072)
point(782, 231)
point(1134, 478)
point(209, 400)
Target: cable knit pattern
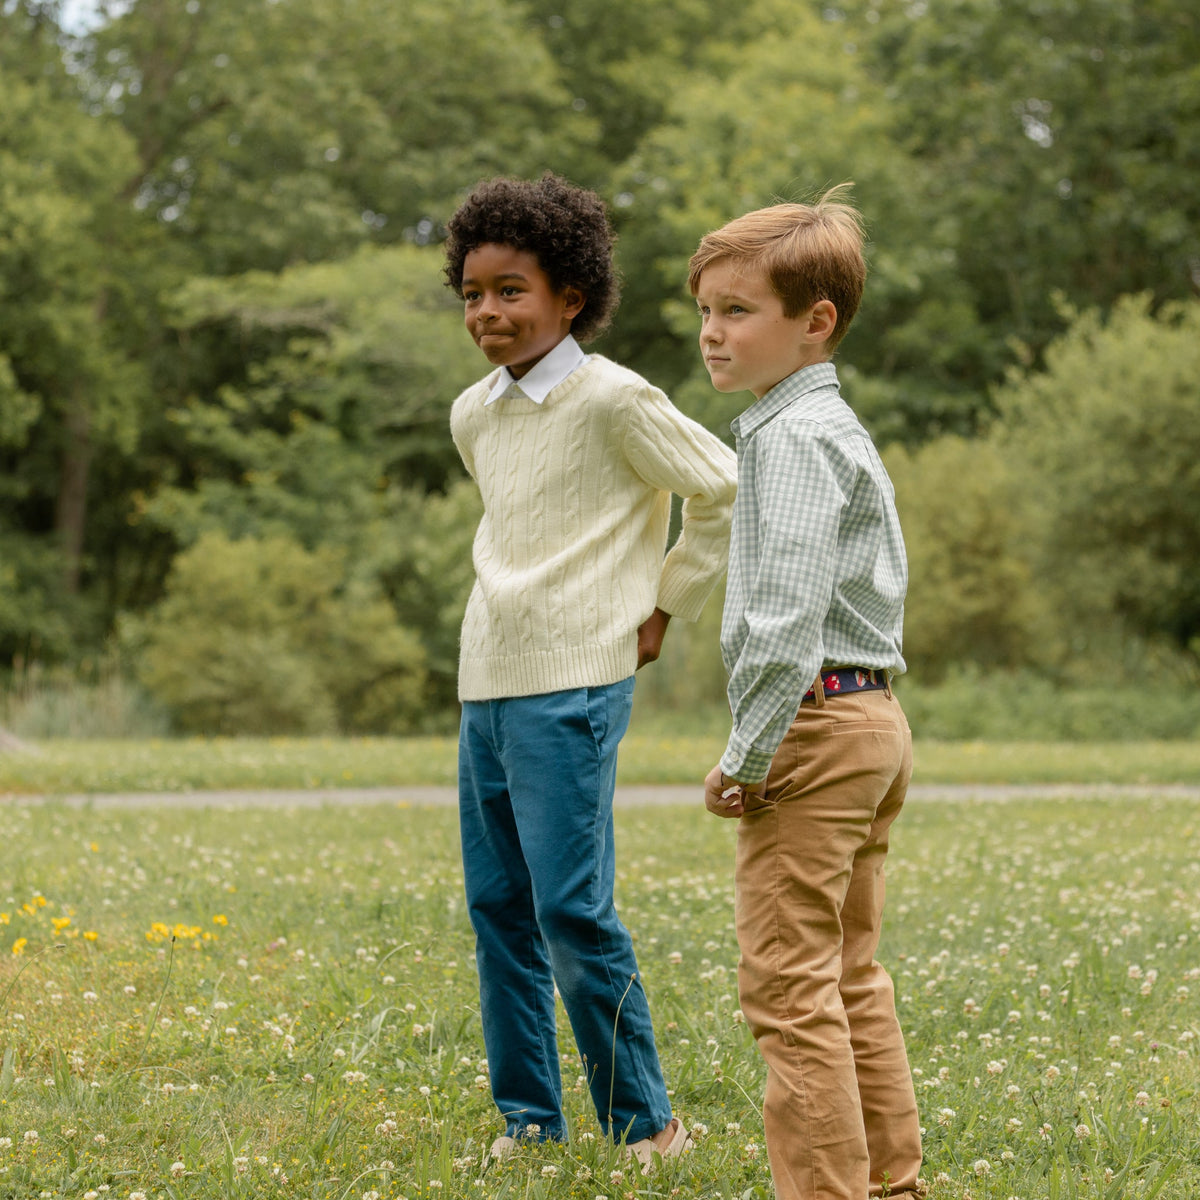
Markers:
point(577, 501)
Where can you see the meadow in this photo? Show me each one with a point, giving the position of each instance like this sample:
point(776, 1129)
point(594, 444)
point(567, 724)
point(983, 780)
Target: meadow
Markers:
point(654, 752)
point(269, 1003)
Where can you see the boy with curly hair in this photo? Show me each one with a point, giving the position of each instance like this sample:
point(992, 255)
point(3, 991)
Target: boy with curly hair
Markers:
point(576, 459)
point(819, 757)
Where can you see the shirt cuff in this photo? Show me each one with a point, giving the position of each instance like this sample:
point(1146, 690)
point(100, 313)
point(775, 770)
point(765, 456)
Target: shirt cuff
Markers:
point(744, 763)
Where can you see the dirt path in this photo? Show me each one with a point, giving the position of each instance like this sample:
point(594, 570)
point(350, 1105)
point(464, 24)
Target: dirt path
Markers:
point(626, 797)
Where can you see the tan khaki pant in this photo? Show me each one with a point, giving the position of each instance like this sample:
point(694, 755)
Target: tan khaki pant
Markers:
point(840, 1111)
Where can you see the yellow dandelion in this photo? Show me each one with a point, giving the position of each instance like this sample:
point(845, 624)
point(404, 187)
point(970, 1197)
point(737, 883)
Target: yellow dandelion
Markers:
point(220, 919)
point(60, 923)
point(90, 935)
point(18, 947)
point(3, 918)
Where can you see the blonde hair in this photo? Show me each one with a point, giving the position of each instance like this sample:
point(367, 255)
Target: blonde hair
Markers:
point(807, 252)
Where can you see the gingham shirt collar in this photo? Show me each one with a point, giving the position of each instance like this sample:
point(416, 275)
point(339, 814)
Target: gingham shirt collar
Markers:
point(807, 379)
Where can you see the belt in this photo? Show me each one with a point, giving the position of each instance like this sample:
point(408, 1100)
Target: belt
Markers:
point(842, 680)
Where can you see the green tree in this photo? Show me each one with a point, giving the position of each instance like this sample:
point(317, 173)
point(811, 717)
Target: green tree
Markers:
point(1109, 449)
point(1059, 142)
point(272, 133)
point(973, 596)
point(783, 117)
point(72, 386)
point(262, 636)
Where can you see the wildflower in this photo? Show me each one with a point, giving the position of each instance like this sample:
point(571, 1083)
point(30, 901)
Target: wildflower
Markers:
point(1082, 1132)
point(137, 1196)
point(220, 919)
point(100, 1140)
point(90, 997)
point(1142, 1099)
point(946, 1115)
point(5, 1143)
point(549, 1171)
point(18, 947)
point(130, 990)
point(31, 1137)
point(178, 1170)
point(370, 1196)
point(981, 1167)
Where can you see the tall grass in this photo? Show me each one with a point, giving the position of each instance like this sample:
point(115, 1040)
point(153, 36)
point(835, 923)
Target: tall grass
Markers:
point(283, 1003)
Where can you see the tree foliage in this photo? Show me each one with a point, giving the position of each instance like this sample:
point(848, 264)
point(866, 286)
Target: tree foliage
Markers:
point(262, 636)
point(222, 316)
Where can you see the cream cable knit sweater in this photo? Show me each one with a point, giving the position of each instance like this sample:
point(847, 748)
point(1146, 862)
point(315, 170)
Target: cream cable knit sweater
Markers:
point(569, 553)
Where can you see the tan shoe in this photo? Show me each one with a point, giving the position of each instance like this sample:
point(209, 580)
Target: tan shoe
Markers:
point(502, 1147)
point(647, 1149)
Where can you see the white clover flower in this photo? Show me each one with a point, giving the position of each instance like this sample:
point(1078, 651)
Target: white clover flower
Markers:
point(549, 1171)
point(130, 990)
point(178, 1170)
point(946, 1115)
point(981, 1167)
point(1142, 1100)
point(5, 1143)
point(1082, 1132)
point(31, 1137)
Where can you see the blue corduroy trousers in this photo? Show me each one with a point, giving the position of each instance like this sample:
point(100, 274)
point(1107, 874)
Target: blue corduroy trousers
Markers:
point(536, 781)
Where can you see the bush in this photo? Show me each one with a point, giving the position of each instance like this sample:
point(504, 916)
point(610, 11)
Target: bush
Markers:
point(1023, 707)
point(263, 636)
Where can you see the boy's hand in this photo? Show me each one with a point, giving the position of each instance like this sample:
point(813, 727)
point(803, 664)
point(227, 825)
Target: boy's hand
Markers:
point(650, 636)
point(722, 796)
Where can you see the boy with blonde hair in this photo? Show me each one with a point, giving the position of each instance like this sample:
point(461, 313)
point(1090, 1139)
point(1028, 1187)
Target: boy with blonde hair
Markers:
point(819, 756)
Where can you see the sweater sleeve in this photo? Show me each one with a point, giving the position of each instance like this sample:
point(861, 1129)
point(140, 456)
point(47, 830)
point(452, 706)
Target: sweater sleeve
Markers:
point(672, 452)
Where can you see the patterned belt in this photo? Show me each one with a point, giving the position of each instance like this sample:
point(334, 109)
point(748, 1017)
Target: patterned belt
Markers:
point(849, 679)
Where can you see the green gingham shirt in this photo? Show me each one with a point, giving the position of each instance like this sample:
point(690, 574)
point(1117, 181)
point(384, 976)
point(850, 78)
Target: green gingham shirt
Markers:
point(817, 570)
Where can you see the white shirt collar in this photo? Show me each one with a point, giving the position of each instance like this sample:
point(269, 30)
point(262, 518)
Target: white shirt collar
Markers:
point(545, 375)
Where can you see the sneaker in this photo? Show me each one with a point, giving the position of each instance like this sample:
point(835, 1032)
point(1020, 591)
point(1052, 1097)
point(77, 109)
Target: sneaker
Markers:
point(647, 1150)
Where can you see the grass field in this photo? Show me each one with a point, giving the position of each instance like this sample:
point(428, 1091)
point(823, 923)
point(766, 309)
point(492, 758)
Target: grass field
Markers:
point(662, 756)
point(210, 1003)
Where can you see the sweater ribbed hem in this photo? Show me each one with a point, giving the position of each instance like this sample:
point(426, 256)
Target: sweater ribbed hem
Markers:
point(549, 671)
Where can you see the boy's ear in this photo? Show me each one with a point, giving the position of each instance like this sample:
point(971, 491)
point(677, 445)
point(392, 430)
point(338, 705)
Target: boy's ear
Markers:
point(822, 318)
point(573, 302)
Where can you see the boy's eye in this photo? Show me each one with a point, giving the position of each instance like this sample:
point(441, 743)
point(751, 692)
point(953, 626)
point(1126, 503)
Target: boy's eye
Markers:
point(470, 297)
point(736, 308)
point(510, 290)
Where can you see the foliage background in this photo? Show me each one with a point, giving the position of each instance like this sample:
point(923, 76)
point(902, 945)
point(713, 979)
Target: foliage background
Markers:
point(226, 354)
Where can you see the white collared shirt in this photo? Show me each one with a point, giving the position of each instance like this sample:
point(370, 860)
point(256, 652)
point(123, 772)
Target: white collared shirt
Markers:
point(545, 374)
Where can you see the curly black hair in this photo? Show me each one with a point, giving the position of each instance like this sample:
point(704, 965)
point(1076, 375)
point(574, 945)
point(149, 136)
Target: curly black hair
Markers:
point(565, 227)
